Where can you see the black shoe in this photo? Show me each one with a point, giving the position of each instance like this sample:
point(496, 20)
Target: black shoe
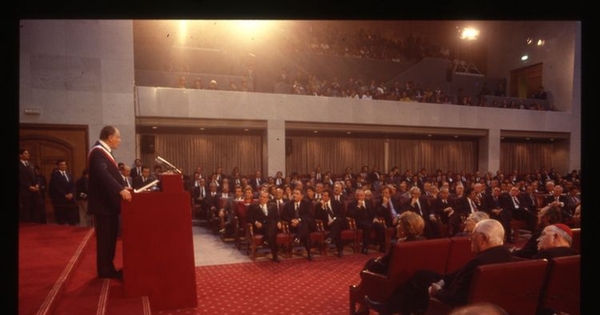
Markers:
point(328, 241)
point(340, 253)
point(381, 308)
point(309, 256)
point(365, 251)
point(275, 259)
point(117, 274)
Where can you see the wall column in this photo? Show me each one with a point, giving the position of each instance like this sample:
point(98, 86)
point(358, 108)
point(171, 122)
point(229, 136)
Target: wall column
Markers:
point(274, 160)
point(489, 152)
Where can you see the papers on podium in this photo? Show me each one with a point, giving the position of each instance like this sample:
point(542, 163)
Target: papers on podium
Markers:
point(147, 187)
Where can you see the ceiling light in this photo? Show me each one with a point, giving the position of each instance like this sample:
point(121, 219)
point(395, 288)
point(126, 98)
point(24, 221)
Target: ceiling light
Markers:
point(455, 136)
point(201, 128)
point(315, 131)
point(524, 58)
point(154, 127)
point(348, 132)
point(246, 129)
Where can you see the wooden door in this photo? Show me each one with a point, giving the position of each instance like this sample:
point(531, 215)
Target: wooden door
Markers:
point(525, 81)
point(49, 143)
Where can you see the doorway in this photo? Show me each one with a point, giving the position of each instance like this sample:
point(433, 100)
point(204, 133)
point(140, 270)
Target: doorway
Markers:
point(525, 81)
point(49, 143)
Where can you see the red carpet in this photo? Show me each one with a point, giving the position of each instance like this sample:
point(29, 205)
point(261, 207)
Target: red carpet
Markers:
point(45, 251)
point(57, 276)
point(294, 286)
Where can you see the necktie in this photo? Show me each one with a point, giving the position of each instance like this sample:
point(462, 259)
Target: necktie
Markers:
point(329, 211)
point(296, 209)
point(473, 206)
point(65, 175)
point(264, 209)
point(419, 206)
point(516, 202)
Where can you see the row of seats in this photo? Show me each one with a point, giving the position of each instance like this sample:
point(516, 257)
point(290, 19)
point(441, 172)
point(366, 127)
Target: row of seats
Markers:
point(524, 287)
point(520, 286)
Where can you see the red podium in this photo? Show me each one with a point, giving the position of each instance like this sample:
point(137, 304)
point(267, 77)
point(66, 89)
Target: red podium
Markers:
point(158, 249)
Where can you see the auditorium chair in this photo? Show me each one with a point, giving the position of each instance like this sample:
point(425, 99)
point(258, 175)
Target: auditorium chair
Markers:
point(459, 254)
point(350, 237)
point(561, 291)
point(315, 238)
point(576, 240)
point(515, 286)
point(407, 258)
point(256, 241)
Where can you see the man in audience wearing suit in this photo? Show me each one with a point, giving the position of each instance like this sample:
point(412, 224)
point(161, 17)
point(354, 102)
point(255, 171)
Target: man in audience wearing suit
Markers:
point(363, 214)
point(386, 216)
point(104, 200)
point(420, 205)
point(298, 213)
point(30, 199)
point(136, 170)
point(452, 289)
point(518, 211)
point(265, 221)
point(257, 181)
point(332, 213)
point(62, 192)
point(497, 206)
point(557, 199)
point(444, 208)
point(143, 179)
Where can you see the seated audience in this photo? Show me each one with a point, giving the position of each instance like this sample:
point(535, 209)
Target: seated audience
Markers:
point(412, 296)
point(547, 216)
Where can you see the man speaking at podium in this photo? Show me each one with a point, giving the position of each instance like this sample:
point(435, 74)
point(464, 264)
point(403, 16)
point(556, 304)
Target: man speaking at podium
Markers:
point(106, 189)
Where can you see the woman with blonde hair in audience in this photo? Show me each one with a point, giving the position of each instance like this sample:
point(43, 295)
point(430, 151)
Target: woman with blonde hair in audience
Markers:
point(410, 227)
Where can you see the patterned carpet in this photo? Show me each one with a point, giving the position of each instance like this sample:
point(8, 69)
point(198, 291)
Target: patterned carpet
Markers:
point(294, 286)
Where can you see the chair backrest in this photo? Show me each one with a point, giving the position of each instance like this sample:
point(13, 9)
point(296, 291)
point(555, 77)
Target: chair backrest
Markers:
point(562, 288)
point(459, 254)
point(576, 241)
point(409, 257)
point(515, 286)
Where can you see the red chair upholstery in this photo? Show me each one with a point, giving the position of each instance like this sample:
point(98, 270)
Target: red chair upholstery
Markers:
point(256, 241)
point(515, 286)
point(576, 241)
point(562, 289)
point(407, 258)
point(459, 254)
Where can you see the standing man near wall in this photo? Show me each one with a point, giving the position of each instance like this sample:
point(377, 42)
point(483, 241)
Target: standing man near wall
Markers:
point(106, 189)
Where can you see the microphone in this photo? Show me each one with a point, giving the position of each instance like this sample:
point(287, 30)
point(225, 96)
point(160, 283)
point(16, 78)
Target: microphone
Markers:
point(170, 166)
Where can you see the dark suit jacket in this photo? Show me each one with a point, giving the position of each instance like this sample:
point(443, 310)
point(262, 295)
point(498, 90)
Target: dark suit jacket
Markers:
point(59, 186)
point(139, 183)
point(385, 213)
point(105, 183)
point(255, 214)
point(361, 216)
point(338, 214)
point(456, 288)
point(26, 178)
point(424, 211)
point(134, 173)
point(304, 211)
